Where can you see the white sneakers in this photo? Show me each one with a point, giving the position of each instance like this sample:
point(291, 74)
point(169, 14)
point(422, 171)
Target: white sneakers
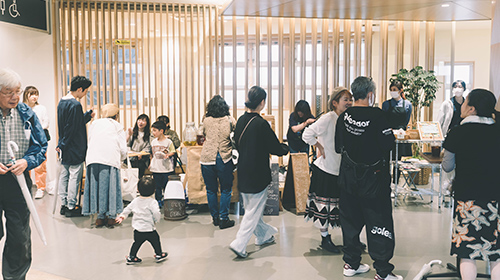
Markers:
point(39, 193)
point(349, 271)
point(363, 268)
point(391, 276)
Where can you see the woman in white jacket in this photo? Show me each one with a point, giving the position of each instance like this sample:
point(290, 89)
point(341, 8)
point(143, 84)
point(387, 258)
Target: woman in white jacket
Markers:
point(107, 148)
point(323, 199)
point(449, 113)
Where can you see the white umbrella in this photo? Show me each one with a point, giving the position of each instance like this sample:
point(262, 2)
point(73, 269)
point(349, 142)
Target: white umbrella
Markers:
point(26, 193)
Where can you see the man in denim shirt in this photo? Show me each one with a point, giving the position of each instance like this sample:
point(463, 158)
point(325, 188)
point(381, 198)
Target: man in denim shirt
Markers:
point(18, 123)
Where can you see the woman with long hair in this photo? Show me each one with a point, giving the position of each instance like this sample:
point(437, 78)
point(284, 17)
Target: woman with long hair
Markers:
point(299, 119)
point(472, 150)
point(30, 98)
point(139, 140)
point(216, 160)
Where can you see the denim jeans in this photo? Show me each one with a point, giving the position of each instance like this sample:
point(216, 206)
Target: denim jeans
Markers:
point(69, 181)
point(223, 172)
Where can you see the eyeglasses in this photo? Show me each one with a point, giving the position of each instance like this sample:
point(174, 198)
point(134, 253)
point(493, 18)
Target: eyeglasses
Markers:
point(11, 93)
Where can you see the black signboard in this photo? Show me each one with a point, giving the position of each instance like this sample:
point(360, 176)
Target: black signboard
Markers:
point(29, 13)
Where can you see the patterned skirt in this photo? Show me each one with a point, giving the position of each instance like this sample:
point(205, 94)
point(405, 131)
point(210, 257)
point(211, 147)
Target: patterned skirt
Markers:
point(475, 231)
point(323, 199)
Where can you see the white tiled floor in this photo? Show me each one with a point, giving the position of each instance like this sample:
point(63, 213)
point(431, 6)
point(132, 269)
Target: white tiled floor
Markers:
point(198, 250)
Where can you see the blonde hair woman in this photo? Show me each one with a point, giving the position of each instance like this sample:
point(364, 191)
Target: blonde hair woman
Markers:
point(323, 199)
point(30, 98)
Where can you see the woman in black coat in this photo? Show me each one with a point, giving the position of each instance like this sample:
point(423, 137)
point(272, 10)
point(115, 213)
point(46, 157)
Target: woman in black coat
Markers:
point(255, 140)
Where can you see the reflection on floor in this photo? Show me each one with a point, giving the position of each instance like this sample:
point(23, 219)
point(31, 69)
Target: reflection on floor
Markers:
point(198, 250)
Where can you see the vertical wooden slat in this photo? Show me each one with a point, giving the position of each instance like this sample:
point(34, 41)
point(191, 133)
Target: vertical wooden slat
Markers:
point(123, 95)
point(163, 90)
point(157, 58)
point(192, 75)
point(357, 47)
point(368, 48)
point(303, 25)
point(185, 72)
point(115, 57)
point(211, 55)
point(91, 51)
point(415, 44)
point(199, 67)
point(281, 99)
point(129, 36)
point(293, 87)
point(269, 65)
point(71, 43)
point(76, 43)
point(384, 38)
point(219, 52)
point(399, 46)
point(137, 58)
point(167, 91)
point(314, 79)
point(324, 65)
point(257, 51)
point(206, 68)
point(83, 48)
point(246, 53)
point(335, 54)
point(64, 45)
point(235, 84)
point(175, 57)
point(111, 56)
point(220, 48)
point(104, 56)
point(149, 61)
point(142, 95)
point(347, 53)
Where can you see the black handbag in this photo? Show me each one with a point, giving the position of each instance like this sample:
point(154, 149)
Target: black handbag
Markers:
point(363, 180)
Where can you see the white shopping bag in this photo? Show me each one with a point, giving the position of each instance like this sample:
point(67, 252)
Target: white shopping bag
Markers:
point(129, 179)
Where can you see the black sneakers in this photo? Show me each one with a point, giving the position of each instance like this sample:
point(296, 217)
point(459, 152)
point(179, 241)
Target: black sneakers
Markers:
point(162, 257)
point(133, 260)
point(63, 210)
point(327, 244)
point(226, 224)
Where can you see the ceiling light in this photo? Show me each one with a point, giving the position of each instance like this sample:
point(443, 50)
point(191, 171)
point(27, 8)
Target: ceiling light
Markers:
point(445, 5)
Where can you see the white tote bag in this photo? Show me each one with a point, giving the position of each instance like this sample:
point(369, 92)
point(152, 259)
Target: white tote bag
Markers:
point(129, 177)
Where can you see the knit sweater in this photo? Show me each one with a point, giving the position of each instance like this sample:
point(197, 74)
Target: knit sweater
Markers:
point(216, 132)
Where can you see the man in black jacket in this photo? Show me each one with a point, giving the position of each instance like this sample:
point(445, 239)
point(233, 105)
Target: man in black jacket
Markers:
point(364, 138)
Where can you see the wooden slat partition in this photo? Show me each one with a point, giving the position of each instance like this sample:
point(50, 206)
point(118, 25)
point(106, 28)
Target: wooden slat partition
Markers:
point(175, 60)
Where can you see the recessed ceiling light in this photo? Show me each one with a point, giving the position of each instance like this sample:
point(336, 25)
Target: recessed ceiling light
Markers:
point(445, 5)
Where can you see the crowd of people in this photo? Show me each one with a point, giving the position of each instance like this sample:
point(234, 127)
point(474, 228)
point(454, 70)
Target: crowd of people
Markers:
point(350, 186)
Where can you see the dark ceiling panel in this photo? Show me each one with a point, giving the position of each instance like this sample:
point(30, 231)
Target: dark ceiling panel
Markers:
point(431, 10)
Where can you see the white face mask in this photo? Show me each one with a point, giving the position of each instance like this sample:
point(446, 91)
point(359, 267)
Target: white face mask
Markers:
point(394, 94)
point(458, 92)
point(371, 100)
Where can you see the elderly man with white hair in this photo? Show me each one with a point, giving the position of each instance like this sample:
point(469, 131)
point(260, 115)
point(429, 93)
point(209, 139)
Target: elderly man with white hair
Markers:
point(19, 124)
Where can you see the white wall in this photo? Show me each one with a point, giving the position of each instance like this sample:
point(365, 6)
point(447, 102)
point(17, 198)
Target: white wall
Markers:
point(30, 54)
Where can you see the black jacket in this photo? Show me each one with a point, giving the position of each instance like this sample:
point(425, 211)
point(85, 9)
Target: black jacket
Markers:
point(257, 142)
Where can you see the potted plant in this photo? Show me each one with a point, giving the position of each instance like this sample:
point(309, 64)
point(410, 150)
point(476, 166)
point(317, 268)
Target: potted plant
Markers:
point(419, 87)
